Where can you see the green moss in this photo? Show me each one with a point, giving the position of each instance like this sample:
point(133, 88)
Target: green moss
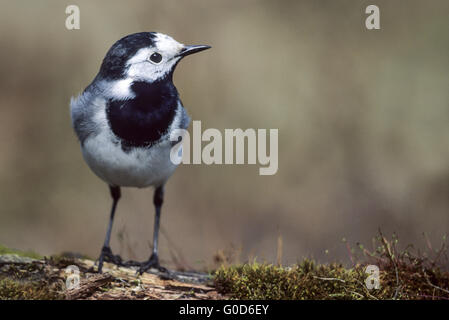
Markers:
point(13, 289)
point(29, 254)
point(30, 280)
point(304, 281)
point(402, 276)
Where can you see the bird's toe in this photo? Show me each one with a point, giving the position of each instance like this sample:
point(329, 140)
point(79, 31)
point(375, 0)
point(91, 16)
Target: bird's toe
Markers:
point(153, 262)
point(107, 256)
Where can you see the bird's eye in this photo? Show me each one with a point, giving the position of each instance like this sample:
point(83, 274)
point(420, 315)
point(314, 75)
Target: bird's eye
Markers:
point(156, 58)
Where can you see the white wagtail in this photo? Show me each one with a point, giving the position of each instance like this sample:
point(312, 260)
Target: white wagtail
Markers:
point(124, 118)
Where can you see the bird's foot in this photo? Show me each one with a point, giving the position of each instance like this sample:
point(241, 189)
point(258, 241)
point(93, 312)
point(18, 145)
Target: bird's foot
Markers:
point(107, 256)
point(153, 262)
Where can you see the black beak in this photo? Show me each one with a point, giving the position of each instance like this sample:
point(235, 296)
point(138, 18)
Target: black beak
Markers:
point(187, 50)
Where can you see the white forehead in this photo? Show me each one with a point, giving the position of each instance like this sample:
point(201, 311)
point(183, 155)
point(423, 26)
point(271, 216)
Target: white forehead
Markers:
point(167, 44)
point(163, 44)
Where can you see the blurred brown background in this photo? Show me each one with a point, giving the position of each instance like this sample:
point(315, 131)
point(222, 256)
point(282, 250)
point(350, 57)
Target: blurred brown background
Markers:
point(362, 117)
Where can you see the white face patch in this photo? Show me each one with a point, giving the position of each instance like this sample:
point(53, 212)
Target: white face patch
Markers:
point(140, 68)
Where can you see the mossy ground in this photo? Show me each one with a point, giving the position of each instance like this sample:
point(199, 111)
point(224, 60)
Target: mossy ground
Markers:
point(403, 275)
point(30, 281)
point(12, 289)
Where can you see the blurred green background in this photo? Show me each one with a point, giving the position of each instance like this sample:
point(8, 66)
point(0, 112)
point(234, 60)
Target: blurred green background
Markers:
point(362, 117)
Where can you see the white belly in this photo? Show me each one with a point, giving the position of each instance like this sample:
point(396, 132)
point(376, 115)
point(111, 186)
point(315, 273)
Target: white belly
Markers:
point(140, 167)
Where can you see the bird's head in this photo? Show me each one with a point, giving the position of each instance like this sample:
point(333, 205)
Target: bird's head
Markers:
point(145, 56)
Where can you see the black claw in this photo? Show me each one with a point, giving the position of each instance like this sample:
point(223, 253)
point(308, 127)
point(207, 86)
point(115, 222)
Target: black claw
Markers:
point(107, 256)
point(153, 262)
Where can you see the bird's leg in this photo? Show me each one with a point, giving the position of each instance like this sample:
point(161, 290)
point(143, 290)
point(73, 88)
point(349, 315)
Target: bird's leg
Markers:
point(153, 262)
point(106, 253)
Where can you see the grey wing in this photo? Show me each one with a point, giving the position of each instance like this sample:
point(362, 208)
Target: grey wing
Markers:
point(185, 119)
point(83, 109)
point(183, 123)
